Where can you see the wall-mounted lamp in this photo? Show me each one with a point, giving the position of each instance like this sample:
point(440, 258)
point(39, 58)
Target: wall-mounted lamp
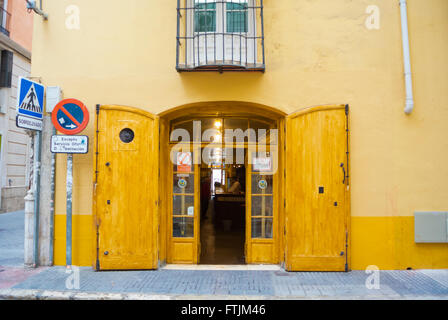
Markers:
point(31, 6)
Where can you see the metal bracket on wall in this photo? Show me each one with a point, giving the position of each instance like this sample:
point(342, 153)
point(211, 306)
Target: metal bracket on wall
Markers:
point(32, 6)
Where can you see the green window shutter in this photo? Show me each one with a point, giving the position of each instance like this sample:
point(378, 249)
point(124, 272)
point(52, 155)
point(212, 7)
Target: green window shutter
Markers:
point(205, 17)
point(237, 16)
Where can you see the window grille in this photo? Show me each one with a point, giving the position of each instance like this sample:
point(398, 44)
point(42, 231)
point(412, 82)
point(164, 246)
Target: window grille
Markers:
point(223, 35)
point(5, 18)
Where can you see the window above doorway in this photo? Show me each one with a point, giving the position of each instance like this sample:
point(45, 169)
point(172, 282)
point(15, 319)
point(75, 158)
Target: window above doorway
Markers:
point(224, 129)
point(5, 17)
point(223, 35)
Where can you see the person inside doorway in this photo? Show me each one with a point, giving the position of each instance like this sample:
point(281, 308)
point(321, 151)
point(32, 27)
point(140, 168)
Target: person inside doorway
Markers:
point(235, 187)
point(218, 188)
point(223, 233)
point(205, 196)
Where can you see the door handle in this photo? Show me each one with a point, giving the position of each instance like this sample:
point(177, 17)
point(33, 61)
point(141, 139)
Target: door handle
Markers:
point(343, 171)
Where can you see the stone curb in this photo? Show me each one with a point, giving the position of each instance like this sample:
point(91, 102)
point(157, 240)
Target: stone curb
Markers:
point(30, 294)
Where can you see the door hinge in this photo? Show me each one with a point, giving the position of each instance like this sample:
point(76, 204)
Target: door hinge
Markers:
point(346, 109)
point(97, 109)
point(346, 251)
point(97, 246)
point(284, 203)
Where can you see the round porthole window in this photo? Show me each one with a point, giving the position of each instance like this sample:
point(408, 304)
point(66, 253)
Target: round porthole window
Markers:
point(126, 135)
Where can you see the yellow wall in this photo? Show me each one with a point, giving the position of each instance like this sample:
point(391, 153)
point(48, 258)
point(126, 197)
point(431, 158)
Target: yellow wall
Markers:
point(388, 242)
point(317, 52)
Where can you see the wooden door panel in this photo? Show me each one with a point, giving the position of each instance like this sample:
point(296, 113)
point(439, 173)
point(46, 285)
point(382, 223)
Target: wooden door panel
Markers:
point(127, 189)
point(184, 252)
point(316, 187)
point(261, 208)
point(184, 214)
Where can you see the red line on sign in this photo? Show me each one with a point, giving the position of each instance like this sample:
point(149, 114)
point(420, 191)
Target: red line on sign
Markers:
point(70, 116)
point(184, 158)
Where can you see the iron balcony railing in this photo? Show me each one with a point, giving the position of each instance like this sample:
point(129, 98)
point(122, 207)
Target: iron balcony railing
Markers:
point(223, 35)
point(5, 18)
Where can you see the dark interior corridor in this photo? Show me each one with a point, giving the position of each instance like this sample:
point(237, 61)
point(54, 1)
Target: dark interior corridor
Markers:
point(222, 232)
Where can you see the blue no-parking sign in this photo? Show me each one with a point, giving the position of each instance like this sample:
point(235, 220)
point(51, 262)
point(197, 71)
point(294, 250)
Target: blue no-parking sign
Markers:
point(70, 116)
point(30, 98)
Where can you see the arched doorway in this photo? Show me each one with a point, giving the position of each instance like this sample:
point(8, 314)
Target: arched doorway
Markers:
point(294, 192)
point(221, 215)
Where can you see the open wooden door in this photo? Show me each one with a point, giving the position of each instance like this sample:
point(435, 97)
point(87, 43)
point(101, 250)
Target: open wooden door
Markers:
point(261, 206)
point(126, 189)
point(317, 195)
point(185, 206)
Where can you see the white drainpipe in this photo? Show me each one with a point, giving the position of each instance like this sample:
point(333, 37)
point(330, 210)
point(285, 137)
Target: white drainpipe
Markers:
point(407, 58)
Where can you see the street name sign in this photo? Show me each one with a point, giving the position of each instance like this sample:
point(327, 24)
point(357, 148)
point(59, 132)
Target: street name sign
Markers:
point(69, 144)
point(29, 123)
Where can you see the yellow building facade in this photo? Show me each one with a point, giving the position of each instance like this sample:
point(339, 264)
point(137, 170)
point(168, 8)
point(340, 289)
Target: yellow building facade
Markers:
point(320, 56)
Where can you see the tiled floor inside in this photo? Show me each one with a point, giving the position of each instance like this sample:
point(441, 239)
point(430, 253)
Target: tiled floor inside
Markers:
point(221, 245)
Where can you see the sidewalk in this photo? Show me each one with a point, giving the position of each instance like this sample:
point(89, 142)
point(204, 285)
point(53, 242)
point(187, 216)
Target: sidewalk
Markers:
point(12, 271)
point(52, 283)
point(12, 228)
point(199, 282)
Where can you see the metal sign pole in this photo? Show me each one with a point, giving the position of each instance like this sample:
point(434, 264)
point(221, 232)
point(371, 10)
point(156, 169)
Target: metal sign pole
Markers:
point(30, 102)
point(69, 209)
point(36, 187)
point(70, 117)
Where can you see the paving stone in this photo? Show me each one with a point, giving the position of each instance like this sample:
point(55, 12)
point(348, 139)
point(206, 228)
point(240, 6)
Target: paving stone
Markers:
point(244, 283)
point(12, 226)
point(50, 283)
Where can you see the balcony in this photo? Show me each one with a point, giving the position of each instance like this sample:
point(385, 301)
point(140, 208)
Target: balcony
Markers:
point(225, 35)
point(5, 18)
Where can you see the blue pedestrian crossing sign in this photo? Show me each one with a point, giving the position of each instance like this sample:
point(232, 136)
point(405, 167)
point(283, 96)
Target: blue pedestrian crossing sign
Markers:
point(30, 98)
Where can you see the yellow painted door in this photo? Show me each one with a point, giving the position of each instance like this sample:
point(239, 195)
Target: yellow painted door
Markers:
point(126, 195)
point(185, 206)
point(316, 189)
point(261, 204)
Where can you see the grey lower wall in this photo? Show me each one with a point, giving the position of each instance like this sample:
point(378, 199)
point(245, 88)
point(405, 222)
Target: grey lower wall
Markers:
point(13, 199)
point(45, 214)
